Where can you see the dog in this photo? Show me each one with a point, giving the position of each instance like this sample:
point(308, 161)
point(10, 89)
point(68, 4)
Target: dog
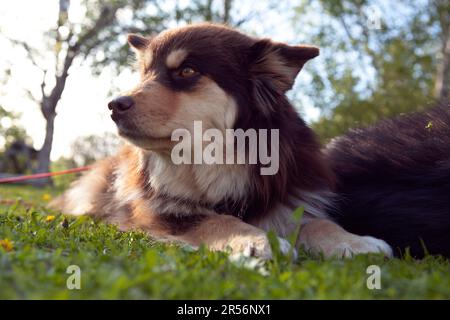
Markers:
point(226, 80)
point(393, 182)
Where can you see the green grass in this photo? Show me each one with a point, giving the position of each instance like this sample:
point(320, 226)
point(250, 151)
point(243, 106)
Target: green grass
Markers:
point(129, 265)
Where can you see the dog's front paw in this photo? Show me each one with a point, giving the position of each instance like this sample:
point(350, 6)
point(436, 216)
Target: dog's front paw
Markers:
point(366, 244)
point(251, 246)
point(349, 246)
point(324, 237)
point(258, 246)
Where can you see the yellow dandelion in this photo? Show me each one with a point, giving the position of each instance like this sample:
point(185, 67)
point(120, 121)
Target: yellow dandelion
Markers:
point(46, 197)
point(50, 218)
point(6, 244)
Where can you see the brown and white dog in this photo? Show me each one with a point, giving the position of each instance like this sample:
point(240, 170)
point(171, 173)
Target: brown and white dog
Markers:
point(227, 80)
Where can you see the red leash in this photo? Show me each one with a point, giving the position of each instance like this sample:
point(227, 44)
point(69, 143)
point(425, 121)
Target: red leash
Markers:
point(43, 175)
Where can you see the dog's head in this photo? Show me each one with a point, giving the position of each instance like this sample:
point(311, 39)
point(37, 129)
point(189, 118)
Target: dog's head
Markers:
point(203, 72)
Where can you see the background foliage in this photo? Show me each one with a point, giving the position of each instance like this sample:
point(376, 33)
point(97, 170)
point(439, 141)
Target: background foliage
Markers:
point(378, 58)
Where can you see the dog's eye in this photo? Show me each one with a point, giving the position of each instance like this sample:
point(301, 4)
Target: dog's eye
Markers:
point(187, 72)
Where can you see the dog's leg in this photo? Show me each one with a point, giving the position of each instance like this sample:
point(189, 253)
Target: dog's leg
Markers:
point(87, 195)
point(320, 236)
point(218, 233)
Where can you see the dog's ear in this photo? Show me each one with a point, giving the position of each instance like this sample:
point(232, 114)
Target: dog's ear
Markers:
point(279, 63)
point(137, 42)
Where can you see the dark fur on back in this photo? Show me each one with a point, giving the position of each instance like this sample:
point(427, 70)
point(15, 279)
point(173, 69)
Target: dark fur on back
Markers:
point(394, 181)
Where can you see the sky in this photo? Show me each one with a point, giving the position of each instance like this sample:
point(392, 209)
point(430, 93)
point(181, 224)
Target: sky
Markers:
point(82, 109)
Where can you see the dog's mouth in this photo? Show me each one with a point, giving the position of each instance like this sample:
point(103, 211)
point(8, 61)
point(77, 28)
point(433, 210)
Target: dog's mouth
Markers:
point(125, 127)
point(130, 132)
point(125, 133)
point(115, 116)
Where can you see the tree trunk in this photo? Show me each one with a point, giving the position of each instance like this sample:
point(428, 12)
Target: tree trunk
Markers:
point(208, 11)
point(442, 86)
point(44, 152)
point(49, 102)
point(48, 109)
point(226, 11)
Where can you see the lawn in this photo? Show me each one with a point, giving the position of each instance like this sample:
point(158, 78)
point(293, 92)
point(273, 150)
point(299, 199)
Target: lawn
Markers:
point(37, 246)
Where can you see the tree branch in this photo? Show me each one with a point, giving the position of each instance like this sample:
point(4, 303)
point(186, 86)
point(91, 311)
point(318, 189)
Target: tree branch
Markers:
point(364, 43)
point(31, 96)
point(32, 53)
point(107, 16)
point(43, 84)
point(226, 11)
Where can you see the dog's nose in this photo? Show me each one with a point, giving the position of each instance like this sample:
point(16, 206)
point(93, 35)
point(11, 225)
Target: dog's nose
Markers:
point(121, 104)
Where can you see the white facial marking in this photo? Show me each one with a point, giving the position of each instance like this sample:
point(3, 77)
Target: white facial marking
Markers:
point(175, 58)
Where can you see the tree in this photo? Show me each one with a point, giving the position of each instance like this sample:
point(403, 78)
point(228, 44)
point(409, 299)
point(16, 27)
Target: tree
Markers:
point(218, 11)
point(441, 13)
point(100, 41)
point(70, 41)
point(375, 63)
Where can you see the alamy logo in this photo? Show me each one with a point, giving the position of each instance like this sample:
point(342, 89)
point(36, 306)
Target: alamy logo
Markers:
point(235, 147)
point(74, 280)
point(374, 280)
